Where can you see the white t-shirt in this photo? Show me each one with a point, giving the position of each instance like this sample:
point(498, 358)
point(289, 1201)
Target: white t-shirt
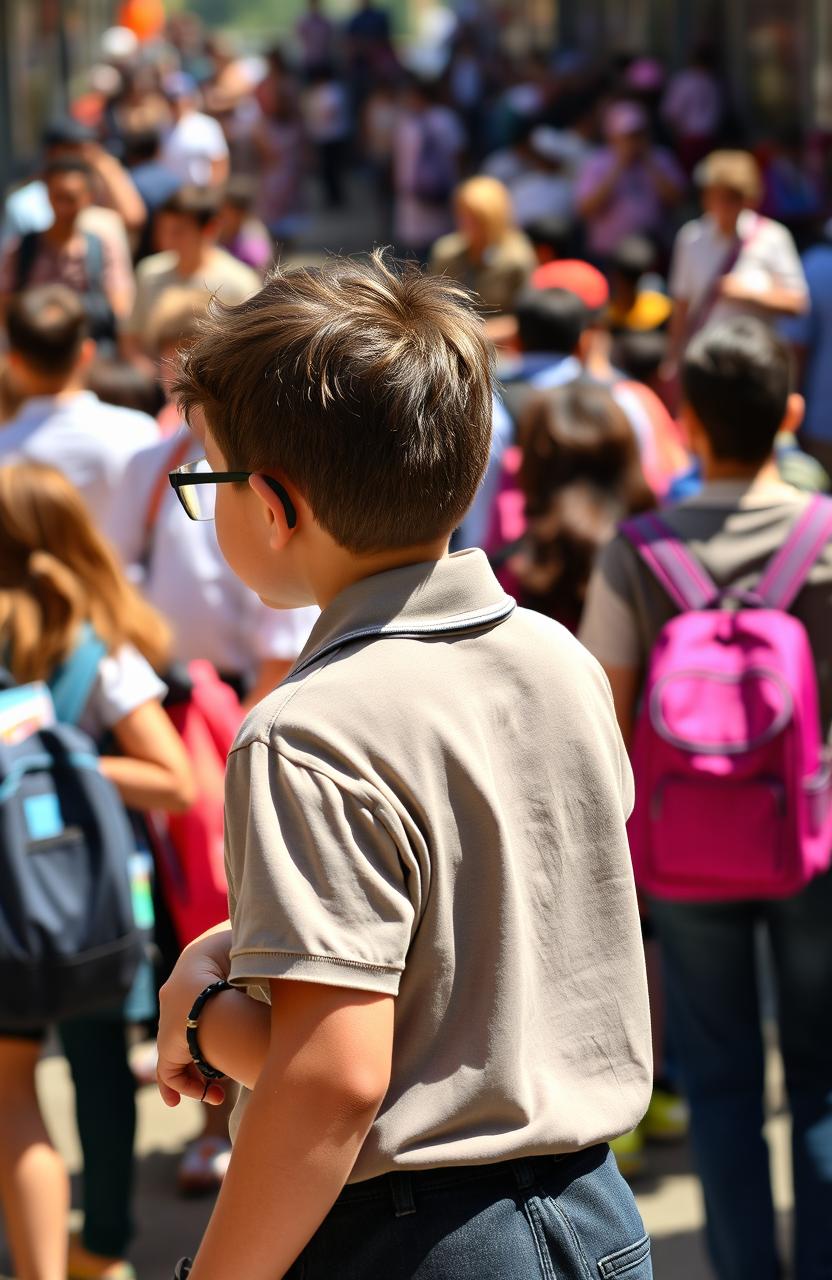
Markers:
point(192, 145)
point(125, 681)
point(90, 441)
point(768, 258)
point(213, 615)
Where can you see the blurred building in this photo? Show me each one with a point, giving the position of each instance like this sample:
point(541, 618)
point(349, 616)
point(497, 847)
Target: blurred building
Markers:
point(44, 44)
point(776, 54)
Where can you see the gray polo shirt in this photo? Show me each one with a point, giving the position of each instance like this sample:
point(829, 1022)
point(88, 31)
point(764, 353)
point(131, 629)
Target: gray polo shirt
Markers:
point(433, 806)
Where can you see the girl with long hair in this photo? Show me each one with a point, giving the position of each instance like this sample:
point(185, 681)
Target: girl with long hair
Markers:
point(580, 475)
point(59, 580)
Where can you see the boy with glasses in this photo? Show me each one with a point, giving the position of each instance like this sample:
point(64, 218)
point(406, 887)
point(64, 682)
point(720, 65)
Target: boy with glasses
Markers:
point(431, 985)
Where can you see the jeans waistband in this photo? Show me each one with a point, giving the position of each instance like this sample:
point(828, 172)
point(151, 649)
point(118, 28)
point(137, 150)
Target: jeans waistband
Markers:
point(402, 1189)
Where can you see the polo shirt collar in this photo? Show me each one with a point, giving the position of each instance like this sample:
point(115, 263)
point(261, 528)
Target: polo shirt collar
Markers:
point(445, 597)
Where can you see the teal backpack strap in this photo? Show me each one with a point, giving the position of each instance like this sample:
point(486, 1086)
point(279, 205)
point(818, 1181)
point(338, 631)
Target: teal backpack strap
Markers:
point(72, 683)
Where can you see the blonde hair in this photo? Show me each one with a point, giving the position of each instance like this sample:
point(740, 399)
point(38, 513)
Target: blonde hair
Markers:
point(489, 202)
point(57, 572)
point(736, 170)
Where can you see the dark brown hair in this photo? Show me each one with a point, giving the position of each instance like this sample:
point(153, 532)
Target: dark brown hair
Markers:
point(47, 325)
point(201, 204)
point(581, 474)
point(366, 386)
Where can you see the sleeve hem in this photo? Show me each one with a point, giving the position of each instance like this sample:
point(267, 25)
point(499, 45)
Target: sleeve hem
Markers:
point(255, 966)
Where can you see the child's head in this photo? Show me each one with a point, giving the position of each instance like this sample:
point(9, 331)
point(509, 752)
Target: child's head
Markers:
point(237, 203)
point(551, 320)
point(737, 392)
point(49, 343)
point(189, 218)
point(174, 324)
point(580, 475)
point(366, 391)
point(57, 573)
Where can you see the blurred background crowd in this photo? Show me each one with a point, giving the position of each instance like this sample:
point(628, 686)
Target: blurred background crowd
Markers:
point(606, 180)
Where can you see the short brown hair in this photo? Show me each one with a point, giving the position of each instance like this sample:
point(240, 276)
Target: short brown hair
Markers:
point(46, 326)
point(366, 385)
point(201, 204)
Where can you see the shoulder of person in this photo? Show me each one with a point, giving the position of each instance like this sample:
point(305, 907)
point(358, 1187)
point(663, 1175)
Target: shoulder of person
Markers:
point(157, 264)
point(693, 232)
point(126, 426)
point(448, 248)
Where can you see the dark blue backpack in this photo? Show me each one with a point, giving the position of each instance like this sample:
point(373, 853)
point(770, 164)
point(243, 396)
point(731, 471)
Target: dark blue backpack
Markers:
point(68, 939)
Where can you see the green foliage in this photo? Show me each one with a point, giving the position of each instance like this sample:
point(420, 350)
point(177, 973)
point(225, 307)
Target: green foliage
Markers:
point(269, 20)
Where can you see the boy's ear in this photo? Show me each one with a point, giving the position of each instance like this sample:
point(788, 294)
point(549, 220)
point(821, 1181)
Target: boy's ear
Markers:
point(274, 512)
point(795, 413)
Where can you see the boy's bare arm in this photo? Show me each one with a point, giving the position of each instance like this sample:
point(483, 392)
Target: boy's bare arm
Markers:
point(325, 1075)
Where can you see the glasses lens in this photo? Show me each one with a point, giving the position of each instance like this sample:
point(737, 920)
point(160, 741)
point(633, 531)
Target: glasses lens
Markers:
point(199, 500)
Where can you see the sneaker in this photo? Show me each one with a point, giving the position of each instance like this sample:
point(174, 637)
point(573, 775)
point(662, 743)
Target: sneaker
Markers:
point(668, 1117)
point(203, 1166)
point(83, 1265)
point(629, 1153)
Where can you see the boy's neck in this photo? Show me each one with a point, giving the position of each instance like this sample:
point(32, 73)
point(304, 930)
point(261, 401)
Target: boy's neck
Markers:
point(343, 570)
point(726, 469)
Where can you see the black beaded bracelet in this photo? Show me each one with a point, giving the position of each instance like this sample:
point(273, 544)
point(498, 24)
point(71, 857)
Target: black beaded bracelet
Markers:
point(204, 1068)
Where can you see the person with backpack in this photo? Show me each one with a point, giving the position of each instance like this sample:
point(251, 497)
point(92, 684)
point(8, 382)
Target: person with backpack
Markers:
point(61, 594)
point(66, 254)
point(712, 622)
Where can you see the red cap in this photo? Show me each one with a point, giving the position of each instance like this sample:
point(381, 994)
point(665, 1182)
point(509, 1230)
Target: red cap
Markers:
point(577, 277)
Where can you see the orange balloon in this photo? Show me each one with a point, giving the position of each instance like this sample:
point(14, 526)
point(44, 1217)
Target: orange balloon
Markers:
point(145, 18)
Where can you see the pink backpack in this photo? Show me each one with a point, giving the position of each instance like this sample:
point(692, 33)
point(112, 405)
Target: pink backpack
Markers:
point(734, 795)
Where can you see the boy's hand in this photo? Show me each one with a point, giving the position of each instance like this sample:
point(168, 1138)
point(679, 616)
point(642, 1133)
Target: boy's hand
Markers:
point(201, 963)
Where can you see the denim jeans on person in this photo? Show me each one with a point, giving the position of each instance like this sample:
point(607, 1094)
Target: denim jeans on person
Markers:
point(548, 1218)
point(712, 984)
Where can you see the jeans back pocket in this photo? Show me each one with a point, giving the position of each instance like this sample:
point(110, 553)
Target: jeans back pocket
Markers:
point(634, 1262)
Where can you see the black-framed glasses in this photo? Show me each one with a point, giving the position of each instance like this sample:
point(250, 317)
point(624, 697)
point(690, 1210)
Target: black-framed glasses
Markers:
point(194, 485)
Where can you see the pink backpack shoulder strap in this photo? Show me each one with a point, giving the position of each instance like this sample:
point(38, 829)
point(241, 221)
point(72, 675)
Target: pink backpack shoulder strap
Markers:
point(792, 564)
point(670, 562)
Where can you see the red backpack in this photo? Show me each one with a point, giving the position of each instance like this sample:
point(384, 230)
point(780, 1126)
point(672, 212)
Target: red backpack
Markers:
point(189, 847)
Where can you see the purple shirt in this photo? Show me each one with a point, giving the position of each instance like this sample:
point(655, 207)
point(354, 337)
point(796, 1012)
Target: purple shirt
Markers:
point(634, 207)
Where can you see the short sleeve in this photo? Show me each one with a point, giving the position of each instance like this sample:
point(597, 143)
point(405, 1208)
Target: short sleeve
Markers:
point(608, 624)
point(317, 886)
point(125, 681)
point(785, 264)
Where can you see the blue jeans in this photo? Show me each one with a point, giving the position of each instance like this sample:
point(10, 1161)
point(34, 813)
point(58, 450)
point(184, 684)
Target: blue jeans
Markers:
point(548, 1218)
point(712, 986)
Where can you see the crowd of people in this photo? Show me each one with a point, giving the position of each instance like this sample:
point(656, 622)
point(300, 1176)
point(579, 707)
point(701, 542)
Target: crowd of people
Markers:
point(656, 286)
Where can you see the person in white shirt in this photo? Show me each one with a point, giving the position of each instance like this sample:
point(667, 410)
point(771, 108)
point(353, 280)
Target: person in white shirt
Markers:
point(58, 421)
point(195, 150)
point(182, 574)
point(732, 261)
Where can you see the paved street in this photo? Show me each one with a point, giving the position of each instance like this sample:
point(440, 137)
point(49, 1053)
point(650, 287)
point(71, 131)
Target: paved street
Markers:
point(169, 1226)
